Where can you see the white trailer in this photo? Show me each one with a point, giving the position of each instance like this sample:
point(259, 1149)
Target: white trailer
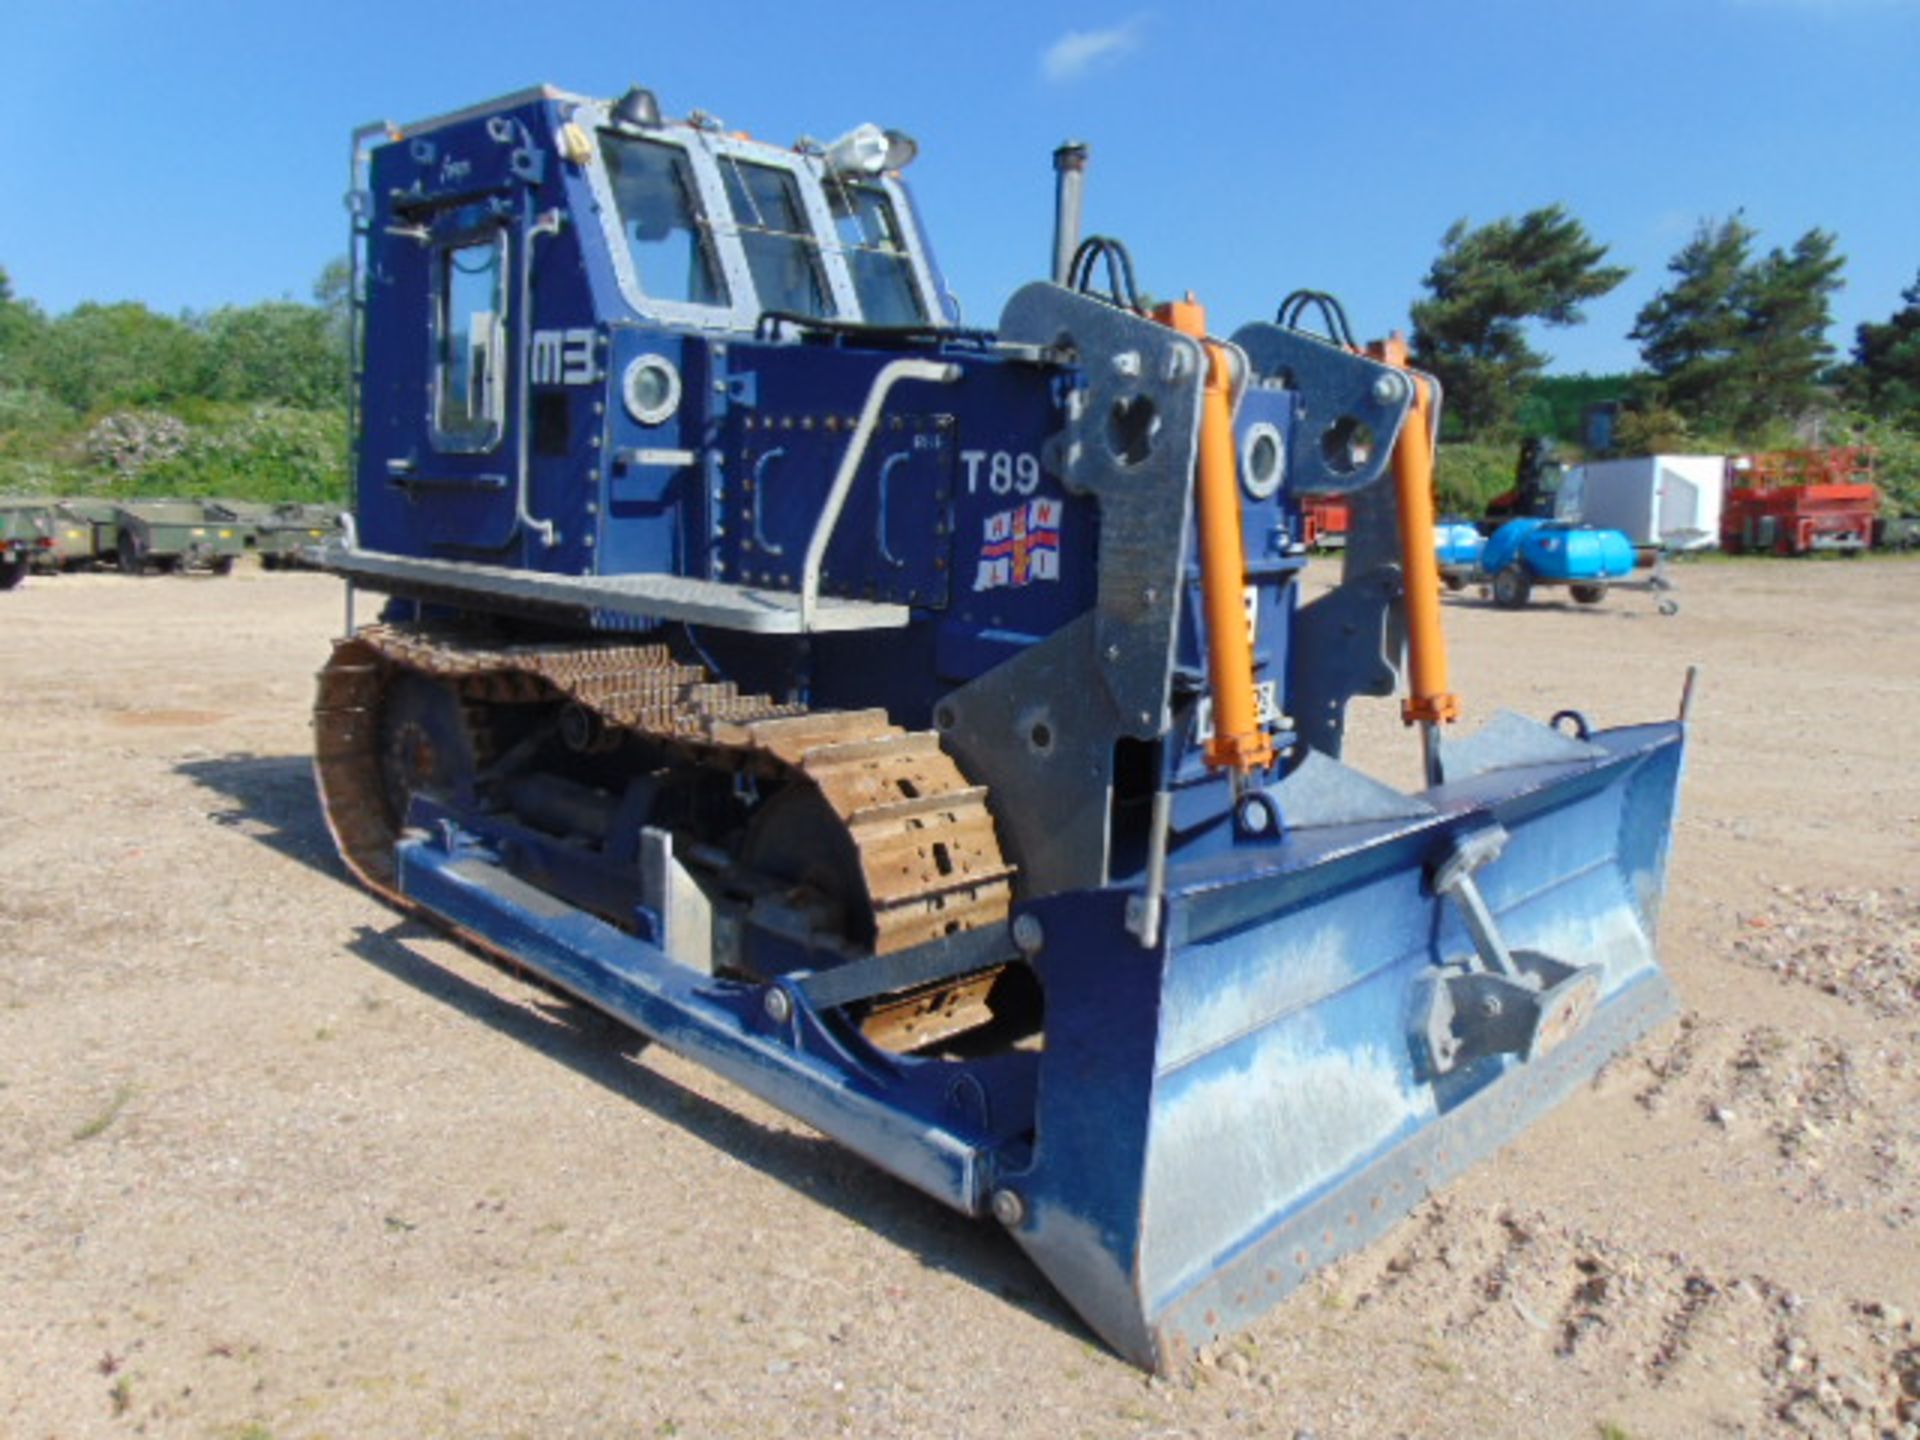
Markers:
point(1661, 502)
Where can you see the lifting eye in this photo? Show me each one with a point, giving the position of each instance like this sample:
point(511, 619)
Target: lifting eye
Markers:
point(1263, 461)
point(651, 389)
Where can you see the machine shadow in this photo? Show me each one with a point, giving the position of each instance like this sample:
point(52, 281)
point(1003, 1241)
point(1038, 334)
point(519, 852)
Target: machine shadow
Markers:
point(273, 802)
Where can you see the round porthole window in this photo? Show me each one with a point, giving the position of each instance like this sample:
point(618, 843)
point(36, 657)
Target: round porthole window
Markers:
point(1263, 460)
point(651, 388)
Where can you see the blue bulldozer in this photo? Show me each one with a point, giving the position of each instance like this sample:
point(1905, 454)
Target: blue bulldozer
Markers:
point(928, 728)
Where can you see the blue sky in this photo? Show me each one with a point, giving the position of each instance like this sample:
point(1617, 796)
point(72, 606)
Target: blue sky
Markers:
point(192, 154)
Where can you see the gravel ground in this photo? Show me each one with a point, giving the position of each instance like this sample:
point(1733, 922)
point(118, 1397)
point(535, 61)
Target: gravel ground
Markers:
point(277, 1163)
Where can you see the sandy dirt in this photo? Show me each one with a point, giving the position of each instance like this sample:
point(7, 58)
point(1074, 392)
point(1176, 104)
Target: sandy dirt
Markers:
point(275, 1162)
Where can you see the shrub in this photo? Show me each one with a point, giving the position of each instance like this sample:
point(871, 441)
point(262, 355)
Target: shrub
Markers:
point(267, 452)
point(1467, 476)
point(128, 441)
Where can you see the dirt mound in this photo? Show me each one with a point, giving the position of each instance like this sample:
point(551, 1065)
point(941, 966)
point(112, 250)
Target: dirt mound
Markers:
point(1519, 1283)
point(1862, 946)
point(1827, 1120)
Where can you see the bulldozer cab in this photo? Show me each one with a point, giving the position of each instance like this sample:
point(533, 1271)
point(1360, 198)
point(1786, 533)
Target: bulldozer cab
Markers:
point(714, 230)
point(505, 253)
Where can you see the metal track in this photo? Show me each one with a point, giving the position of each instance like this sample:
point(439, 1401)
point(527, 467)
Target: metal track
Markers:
point(927, 850)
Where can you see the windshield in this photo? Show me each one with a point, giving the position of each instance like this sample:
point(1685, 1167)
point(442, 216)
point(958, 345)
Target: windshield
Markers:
point(782, 252)
point(876, 253)
point(660, 218)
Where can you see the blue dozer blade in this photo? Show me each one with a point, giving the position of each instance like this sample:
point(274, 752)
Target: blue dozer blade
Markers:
point(1220, 1114)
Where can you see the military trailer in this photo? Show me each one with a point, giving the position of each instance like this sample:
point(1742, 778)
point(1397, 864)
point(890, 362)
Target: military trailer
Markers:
point(25, 534)
point(281, 533)
point(88, 532)
point(174, 536)
point(74, 546)
point(288, 539)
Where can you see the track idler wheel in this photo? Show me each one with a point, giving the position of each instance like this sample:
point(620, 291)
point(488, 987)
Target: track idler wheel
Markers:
point(425, 746)
point(381, 736)
point(797, 838)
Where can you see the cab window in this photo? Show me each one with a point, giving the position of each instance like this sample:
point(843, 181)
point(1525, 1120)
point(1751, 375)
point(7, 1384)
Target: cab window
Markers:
point(782, 253)
point(470, 343)
point(667, 236)
point(876, 254)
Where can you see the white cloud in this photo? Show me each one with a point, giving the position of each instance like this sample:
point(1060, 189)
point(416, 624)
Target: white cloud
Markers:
point(1078, 51)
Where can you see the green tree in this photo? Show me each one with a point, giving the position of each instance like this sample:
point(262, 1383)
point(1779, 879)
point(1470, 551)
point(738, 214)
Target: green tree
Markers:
point(332, 292)
point(1690, 333)
point(1652, 429)
point(96, 356)
point(1486, 284)
point(1885, 375)
point(1785, 313)
point(280, 353)
point(1738, 342)
point(20, 325)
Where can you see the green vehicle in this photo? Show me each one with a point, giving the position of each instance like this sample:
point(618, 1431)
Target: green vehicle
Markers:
point(173, 535)
point(26, 534)
point(87, 531)
point(73, 534)
point(279, 533)
point(291, 529)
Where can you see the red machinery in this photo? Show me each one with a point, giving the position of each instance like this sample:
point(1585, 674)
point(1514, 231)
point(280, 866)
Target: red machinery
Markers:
point(1792, 502)
point(1323, 521)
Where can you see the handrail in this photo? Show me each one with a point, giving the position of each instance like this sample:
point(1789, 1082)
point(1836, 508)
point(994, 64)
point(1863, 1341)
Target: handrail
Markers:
point(524, 518)
point(936, 372)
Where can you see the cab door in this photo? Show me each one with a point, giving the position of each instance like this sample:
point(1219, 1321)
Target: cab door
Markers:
point(472, 378)
point(443, 449)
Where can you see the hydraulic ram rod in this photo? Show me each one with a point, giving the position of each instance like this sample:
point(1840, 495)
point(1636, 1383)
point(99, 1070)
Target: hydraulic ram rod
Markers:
point(1429, 703)
point(1239, 743)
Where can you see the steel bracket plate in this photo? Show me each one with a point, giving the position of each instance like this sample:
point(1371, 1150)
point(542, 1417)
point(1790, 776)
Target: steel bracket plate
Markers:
point(1057, 831)
point(1350, 407)
point(1129, 441)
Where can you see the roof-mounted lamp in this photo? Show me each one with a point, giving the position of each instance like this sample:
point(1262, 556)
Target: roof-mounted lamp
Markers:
point(869, 150)
point(638, 107)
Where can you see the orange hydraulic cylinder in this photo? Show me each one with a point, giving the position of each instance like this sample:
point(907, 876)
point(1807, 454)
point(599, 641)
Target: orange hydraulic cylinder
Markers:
point(1428, 701)
point(1238, 740)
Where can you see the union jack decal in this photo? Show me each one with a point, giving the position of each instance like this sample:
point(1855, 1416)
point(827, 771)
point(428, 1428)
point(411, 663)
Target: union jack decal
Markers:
point(1021, 545)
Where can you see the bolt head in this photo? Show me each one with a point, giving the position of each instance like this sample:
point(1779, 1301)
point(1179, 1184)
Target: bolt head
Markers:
point(1028, 934)
point(1008, 1208)
point(779, 1006)
point(1388, 389)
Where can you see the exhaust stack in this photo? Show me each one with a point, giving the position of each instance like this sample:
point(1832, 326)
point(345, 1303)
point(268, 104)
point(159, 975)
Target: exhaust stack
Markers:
point(1069, 172)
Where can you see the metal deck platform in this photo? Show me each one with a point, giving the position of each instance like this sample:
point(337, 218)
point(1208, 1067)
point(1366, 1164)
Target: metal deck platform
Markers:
point(658, 597)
